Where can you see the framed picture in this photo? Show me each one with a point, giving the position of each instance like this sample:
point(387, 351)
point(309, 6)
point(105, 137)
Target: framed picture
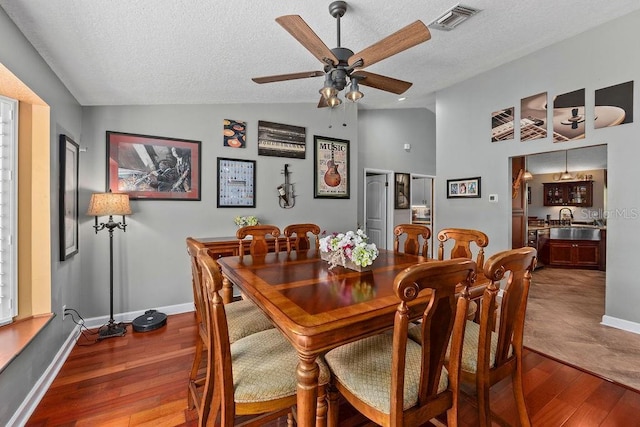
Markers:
point(153, 167)
point(68, 197)
point(236, 183)
point(402, 190)
point(463, 188)
point(330, 168)
point(275, 139)
point(234, 133)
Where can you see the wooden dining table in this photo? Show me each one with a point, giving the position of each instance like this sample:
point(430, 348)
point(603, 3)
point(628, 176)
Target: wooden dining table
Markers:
point(318, 308)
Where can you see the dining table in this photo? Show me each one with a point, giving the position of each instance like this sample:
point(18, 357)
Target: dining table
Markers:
point(319, 308)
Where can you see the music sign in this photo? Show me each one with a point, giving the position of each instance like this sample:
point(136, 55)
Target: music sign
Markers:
point(331, 168)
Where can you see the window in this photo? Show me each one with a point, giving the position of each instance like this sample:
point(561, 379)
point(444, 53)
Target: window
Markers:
point(8, 210)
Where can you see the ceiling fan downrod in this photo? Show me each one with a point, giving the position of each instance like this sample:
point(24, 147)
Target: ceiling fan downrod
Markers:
point(337, 9)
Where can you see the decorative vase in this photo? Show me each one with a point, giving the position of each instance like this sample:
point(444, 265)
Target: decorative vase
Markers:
point(337, 260)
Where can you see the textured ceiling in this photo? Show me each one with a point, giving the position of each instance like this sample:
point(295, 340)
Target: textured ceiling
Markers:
point(120, 52)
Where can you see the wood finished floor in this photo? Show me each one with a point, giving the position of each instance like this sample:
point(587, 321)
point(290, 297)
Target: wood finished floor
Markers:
point(141, 379)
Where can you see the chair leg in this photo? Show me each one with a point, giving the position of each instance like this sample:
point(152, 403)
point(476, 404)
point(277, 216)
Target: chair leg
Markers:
point(193, 376)
point(484, 408)
point(321, 407)
point(332, 398)
point(518, 394)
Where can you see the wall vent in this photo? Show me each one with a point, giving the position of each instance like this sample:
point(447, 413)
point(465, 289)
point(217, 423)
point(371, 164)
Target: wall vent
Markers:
point(453, 17)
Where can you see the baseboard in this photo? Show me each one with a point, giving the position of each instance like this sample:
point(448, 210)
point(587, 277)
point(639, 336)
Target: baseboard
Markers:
point(128, 317)
point(625, 325)
point(30, 403)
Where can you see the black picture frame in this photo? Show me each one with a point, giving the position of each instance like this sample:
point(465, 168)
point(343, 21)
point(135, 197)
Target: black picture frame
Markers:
point(236, 180)
point(402, 190)
point(464, 188)
point(153, 167)
point(68, 197)
point(280, 140)
point(331, 168)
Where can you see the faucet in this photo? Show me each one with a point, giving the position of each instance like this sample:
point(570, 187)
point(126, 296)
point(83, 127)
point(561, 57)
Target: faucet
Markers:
point(560, 214)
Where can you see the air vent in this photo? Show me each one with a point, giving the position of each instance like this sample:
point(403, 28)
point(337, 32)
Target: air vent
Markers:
point(453, 17)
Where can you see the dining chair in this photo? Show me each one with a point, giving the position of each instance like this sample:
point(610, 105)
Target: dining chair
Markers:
point(258, 235)
point(462, 239)
point(253, 375)
point(492, 350)
point(412, 241)
point(297, 237)
point(395, 381)
point(244, 318)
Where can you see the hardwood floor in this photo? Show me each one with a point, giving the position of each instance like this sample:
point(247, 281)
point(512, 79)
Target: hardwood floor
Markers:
point(141, 379)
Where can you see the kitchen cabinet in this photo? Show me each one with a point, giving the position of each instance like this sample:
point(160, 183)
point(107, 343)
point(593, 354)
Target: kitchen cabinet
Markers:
point(571, 193)
point(574, 253)
point(421, 199)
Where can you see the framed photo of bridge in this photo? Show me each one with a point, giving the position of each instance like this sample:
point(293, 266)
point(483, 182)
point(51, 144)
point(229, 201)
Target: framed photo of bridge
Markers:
point(153, 167)
point(330, 168)
point(275, 139)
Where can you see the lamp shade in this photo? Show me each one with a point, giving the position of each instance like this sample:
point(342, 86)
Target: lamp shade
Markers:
point(104, 204)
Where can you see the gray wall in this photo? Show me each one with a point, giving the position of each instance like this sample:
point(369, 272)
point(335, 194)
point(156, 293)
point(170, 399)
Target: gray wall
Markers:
point(17, 54)
point(593, 60)
point(151, 262)
point(382, 135)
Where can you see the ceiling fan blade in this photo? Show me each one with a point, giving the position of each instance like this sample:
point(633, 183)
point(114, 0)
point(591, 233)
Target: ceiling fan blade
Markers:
point(323, 102)
point(283, 77)
point(299, 29)
point(385, 83)
point(409, 36)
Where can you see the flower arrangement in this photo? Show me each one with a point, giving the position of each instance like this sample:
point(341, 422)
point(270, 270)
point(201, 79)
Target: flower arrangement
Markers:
point(351, 246)
point(242, 221)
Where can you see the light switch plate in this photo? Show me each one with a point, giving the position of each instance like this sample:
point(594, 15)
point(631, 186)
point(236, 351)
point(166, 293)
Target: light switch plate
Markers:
point(493, 198)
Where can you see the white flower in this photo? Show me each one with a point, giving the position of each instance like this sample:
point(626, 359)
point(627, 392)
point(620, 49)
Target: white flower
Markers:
point(242, 221)
point(350, 245)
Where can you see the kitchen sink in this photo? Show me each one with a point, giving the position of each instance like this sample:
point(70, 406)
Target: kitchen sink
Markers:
point(575, 233)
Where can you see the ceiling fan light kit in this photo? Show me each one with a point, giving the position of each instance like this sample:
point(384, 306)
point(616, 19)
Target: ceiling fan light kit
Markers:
point(341, 67)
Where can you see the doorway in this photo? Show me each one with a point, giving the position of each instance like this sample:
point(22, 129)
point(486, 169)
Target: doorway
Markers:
point(377, 212)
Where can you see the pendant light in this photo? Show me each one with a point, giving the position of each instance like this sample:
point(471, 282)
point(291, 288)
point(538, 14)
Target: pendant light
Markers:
point(566, 175)
point(527, 176)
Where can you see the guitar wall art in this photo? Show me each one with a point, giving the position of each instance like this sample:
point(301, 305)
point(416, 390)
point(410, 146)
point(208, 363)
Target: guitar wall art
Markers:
point(331, 168)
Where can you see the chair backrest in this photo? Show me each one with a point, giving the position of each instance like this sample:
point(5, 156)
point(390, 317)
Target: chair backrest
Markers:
point(297, 238)
point(193, 247)
point(412, 241)
point(258, 233)
point(462, 238)
point(219, 354)
point(517, 264)
point(443, 320)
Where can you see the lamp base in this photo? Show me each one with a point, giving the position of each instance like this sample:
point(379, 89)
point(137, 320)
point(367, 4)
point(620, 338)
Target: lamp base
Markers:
point(112, 330)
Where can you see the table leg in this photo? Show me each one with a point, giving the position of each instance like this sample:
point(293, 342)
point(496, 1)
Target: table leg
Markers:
point(307, 374)
point(227, 290)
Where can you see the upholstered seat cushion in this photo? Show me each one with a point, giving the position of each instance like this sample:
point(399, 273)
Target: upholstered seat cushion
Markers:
point(245, 318)
point(264, 367)
point(469, 346)
point(364, 368)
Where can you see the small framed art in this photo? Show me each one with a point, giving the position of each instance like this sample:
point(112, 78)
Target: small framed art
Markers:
point(236, 183)
point(402, 190)
point(463, 188)
point(330, 168)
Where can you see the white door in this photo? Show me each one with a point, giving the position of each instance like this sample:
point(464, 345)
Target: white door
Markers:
point(376, 209)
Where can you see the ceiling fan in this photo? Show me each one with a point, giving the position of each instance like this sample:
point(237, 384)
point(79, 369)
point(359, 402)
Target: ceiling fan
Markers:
point(341, 64)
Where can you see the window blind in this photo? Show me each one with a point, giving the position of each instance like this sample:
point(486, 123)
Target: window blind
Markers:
point(8, 210)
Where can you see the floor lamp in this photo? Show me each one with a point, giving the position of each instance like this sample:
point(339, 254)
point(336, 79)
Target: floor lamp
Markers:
point(110, 204)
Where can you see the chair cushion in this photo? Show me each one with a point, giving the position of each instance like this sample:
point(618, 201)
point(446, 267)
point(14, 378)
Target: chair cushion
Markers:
point(264, 367)
point(364, 368)
point(245, 318)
